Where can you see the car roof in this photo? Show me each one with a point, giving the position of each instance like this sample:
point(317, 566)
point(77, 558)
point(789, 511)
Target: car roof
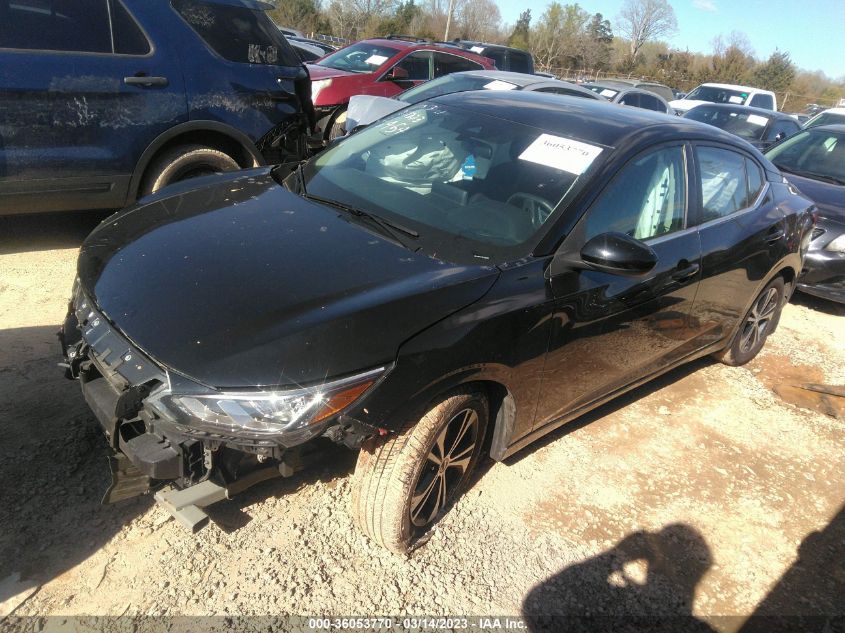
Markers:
point(597, 121)
point(769, 114)
point(833, 110)
point(734, 87)
point(485, 45)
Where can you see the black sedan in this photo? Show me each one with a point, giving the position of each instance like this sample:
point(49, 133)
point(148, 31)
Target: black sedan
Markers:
point(762, 128)
point(814, 161)
point(456, 280)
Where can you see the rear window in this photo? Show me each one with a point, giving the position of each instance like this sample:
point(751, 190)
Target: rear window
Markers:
point(238, 34)
point(747, 125)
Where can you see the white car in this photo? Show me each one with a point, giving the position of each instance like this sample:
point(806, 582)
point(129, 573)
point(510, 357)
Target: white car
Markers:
point(725, 93)
point(826, 117)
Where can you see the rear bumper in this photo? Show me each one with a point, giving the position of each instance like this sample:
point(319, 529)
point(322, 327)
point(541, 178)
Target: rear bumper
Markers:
point(823, 275)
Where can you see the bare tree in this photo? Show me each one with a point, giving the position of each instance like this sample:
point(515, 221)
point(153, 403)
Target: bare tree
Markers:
point(642, 21)
point(558, 38)
point(478, 19)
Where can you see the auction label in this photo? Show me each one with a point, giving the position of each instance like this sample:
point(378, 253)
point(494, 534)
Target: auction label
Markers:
point(375, 60)
point(561, 153)
point(756, 119)
point(498, 84)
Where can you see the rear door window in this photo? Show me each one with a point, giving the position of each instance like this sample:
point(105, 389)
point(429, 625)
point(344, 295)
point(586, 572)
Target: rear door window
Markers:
point(520, 62)
point(445, 64)
point(237, 33)
point(762, 101)
point(56, 25)
point(418, 65)
point(129, 39)
point(651, 103)
point(724, 184)
point(755, 181)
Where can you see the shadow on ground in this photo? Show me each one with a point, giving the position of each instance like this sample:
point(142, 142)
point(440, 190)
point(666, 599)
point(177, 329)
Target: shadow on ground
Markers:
point(646, 581)
point(41, 232)
point(818, 304)
point(53, 466)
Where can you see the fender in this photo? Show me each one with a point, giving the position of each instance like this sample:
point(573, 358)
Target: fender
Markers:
point(791, 262)
point(189, 126)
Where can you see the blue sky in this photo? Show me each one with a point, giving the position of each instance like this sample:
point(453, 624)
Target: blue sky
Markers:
point(812, 33)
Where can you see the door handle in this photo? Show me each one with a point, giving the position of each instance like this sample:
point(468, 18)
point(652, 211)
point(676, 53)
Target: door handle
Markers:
point(145, 81)
point(774, 234)
point(682, 274)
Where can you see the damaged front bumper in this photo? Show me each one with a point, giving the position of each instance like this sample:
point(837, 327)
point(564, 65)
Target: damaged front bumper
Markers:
point(125, 388)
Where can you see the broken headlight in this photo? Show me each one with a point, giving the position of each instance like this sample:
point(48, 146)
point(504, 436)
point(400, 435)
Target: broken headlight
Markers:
point(837, 245)
point(293, 416)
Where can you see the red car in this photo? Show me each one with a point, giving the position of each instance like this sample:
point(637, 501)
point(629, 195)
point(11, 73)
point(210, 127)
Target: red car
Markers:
point(382, 67)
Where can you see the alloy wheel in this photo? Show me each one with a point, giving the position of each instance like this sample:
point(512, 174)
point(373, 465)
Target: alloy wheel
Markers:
point(757, 322)
point(445, 467)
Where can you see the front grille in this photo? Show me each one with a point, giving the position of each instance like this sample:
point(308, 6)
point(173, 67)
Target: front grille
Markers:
point(118, 360)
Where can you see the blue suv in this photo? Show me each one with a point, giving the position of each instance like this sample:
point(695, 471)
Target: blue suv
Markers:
point(104, 101)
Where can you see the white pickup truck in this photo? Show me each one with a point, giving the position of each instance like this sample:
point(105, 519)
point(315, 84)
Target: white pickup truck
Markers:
point(725, 93)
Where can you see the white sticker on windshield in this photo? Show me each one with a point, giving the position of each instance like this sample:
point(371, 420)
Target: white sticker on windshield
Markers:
point(607, 92)
point(735, 99)
point(561, 153)
point(477, 49)
point(756, 119)
point(375, 60)
point(499, 85)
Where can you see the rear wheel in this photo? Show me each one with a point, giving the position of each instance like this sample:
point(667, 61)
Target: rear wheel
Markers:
point(760, 321)
point(404, 484)
point(184, 162)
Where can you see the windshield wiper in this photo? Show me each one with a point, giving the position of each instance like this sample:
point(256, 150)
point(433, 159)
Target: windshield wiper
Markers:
point(388, 226)
point(813, 175)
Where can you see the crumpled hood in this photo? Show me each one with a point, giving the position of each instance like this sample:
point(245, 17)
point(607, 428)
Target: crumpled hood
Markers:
point(829, 197)
point(242, 283)
point(364, 109)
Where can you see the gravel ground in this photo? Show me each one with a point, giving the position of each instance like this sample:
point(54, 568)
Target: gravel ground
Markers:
point(691, 495)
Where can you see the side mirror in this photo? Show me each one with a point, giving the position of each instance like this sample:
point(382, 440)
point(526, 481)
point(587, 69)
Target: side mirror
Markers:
point(397, 73)
point(619, 254)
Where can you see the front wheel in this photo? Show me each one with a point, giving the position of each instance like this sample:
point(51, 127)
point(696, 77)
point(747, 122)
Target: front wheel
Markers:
point(404, 484)
point(760, 321)
point(184, 162)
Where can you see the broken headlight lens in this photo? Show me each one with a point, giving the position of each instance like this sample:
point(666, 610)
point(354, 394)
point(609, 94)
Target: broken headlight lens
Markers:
point(293, 415)
point(837, 245)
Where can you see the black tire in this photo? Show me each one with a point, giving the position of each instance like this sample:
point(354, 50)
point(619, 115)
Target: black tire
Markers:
point(389, 501)
point(183, 162)
point(337, 127)
point(760, 321)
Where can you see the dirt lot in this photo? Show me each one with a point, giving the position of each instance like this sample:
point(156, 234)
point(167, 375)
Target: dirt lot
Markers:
point(708, 493)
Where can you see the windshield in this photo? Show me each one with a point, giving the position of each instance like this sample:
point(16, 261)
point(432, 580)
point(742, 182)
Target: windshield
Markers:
point(457, 82)
point(359, 58)
point(604, 91)
point(461, 180)
point(748, 126)
point(717, 95)
point(825, 118)
point(818, 154)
